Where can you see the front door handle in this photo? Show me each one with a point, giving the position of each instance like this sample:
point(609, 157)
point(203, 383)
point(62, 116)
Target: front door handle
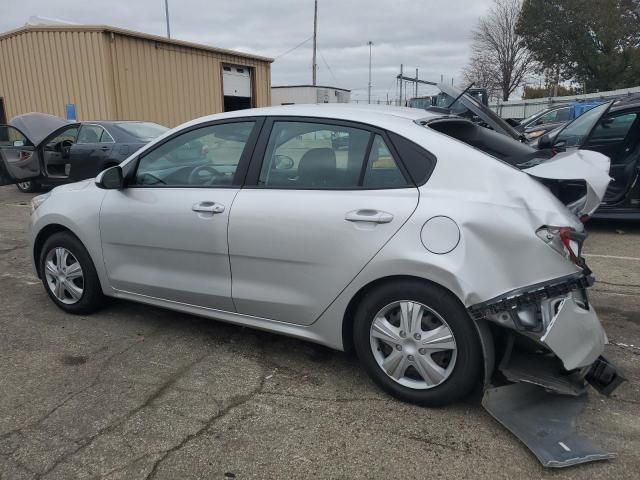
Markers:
point(208, 207)
point(371, 216)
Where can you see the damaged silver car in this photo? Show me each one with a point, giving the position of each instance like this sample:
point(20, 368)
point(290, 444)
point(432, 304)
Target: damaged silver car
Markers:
point(406, 235)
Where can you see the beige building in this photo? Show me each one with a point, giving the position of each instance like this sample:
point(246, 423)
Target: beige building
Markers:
point(107, 73)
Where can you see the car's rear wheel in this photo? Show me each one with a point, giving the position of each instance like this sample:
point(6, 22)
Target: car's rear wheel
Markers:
point(30, 186)
point(69, 276)
point(418, 343)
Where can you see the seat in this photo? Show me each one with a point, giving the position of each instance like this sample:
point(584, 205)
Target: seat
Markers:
point(317, 168)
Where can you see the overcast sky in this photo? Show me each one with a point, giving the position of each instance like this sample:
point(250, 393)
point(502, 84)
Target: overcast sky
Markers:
point(432, 35)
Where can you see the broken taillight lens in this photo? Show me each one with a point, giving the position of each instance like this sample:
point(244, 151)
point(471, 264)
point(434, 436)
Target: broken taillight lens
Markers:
point(25, 155)
point(564, 240)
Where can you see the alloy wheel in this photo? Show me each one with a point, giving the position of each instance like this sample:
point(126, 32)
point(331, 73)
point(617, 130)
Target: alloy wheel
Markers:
point(413, 344)
point(64, 275)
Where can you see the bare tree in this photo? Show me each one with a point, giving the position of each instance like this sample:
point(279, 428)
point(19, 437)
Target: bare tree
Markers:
point(499, 49)
point(482, 73)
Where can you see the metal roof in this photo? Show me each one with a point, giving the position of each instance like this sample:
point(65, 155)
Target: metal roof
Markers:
point(128, 33)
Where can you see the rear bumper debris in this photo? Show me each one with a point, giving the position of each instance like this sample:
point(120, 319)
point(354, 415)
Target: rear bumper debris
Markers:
point(553, 352)
point(545, 422)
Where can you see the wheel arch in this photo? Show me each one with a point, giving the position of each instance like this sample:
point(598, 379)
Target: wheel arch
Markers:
point(42, 236)
point(484, 333)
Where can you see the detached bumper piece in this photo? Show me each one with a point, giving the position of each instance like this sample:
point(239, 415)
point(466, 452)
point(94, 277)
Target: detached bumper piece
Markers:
point(604, 377)
point(545, 422)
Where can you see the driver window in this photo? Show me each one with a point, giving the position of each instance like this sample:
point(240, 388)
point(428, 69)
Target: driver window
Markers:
point(208, 156)
point(67, 137)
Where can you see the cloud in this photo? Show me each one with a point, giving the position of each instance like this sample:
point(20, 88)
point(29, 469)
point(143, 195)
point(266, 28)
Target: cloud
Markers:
point(433, 36)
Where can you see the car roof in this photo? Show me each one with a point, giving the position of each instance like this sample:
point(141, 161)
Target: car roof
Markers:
point(372, 114)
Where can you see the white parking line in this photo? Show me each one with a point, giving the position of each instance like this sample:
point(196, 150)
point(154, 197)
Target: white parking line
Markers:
point(594, 255)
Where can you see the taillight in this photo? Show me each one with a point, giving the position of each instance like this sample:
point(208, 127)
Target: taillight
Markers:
point(24, 155)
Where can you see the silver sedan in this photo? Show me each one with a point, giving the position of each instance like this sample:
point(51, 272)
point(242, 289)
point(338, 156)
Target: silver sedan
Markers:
point(406, 235)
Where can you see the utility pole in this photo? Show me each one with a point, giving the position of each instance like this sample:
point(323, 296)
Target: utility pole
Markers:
point(370, 45)
point(416, 95)
point(166, 14)
point(315, 34)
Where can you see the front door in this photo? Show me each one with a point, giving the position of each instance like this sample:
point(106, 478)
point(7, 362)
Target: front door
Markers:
point(326, 197)
point(19, 159)
point(616, 136)
point(165, 234)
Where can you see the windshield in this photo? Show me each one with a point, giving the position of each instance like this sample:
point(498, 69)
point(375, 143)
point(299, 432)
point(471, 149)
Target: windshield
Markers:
point(574, 134)
point(144, 131)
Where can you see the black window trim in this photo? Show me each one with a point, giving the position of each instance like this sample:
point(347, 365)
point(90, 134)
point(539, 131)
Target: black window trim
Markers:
point(253, 173)
point(89, 124)
point(243, 164)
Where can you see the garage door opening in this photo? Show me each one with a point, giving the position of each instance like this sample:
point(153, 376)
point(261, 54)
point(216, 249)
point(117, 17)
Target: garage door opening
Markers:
point(3, 115)
point(236, 87)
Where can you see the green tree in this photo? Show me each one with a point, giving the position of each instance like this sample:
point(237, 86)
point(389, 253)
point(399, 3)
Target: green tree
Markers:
point(593, 42)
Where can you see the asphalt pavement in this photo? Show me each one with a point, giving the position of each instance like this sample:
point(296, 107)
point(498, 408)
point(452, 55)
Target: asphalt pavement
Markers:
point(135, 392)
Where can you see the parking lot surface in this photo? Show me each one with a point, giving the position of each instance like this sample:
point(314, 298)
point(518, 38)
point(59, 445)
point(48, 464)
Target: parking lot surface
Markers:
point(135, 392)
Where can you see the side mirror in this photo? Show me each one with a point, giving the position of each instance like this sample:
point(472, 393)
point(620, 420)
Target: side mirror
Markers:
point(545, 142)
point(110, 179)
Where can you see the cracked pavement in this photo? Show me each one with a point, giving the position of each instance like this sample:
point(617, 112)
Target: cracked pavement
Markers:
point(136, 392)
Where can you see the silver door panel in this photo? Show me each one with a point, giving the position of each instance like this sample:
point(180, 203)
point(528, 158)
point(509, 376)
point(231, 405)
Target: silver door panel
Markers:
point(155, 244)
point(293, 251)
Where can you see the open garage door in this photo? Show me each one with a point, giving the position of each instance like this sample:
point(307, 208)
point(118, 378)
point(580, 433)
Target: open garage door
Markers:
point(236, 85)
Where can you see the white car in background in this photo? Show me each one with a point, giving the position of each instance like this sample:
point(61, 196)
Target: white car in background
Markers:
point(414, 242)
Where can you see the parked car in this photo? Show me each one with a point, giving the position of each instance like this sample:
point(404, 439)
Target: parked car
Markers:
point(547, 120)
point(407, 245)
point(75, 151)
point(612, 129)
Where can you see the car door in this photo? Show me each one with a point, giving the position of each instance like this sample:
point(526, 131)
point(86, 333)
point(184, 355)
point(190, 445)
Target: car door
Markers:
point(616, 136)
point(19, 158)
point(312, 214)
point(165, 234)
point(93, 147)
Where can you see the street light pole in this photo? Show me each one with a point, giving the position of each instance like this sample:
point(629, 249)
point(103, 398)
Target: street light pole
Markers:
point(370, 45)
point(166, 14)
point(315, 35)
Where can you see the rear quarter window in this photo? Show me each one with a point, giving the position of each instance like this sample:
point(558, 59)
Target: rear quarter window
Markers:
point(418, 161)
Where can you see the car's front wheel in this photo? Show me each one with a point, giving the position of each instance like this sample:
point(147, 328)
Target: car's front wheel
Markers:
point(69, 276)
point(30, 186)
point(418, 343)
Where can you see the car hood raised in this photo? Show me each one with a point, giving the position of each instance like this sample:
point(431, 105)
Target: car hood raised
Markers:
point(586, 166)
point(37, 126)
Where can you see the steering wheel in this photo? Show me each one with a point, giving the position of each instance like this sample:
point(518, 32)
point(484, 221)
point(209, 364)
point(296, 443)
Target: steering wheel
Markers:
point(65, 148)
point(196, 177)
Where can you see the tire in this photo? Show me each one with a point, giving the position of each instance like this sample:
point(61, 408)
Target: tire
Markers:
point(452, 368)
point(30, 186)
point(78, 295)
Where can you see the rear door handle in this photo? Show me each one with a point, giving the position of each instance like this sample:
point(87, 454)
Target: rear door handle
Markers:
point(208, 207)
point(372, 216)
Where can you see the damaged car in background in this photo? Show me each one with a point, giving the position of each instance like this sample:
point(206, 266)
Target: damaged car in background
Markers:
point(414, 241)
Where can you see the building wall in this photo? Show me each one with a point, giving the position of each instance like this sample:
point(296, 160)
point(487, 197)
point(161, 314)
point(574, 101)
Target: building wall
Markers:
point(308, 94)
point(41, 71)
point(170, 84)
point(115, 76)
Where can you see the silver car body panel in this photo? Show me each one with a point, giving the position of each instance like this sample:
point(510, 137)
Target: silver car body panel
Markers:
point(575, 334)
point(497, 210)
point(591, 167)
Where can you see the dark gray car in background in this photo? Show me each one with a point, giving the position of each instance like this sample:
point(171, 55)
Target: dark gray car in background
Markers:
point(76, 151)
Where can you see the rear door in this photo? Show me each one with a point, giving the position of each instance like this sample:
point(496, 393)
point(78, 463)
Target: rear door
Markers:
point(312, 213)
point(19, 159)
point(93, 147)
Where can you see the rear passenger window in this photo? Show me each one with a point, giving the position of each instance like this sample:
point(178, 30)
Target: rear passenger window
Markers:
point(382, 170)
point(314, 156)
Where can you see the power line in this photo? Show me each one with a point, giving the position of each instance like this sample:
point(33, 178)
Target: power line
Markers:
point(328, 67)
point(292, 49)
